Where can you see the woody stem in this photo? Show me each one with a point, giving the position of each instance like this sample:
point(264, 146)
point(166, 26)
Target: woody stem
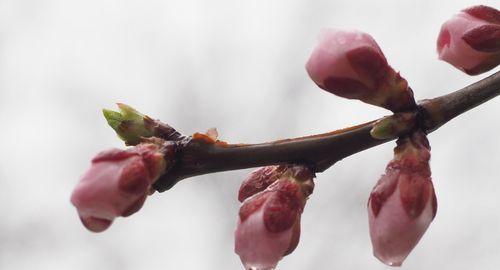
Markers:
point(319, 152)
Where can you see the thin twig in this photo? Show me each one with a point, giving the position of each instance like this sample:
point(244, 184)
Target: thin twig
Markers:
point(197, 156)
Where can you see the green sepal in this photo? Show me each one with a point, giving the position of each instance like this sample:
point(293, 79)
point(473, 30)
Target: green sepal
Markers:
point(128, 124)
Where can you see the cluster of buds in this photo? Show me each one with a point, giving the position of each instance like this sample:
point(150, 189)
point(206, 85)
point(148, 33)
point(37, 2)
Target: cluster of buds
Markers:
point(117, 183)
point(350, 64)
point(268, 227)
point(470, 40)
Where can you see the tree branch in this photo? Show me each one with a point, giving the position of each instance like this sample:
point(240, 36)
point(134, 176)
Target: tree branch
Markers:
point(199, 155)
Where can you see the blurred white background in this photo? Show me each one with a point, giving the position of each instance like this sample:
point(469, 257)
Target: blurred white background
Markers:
point(237, 66)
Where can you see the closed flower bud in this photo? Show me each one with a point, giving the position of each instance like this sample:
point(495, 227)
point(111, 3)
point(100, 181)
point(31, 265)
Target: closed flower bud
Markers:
point(403, 202)
point(350, 64)
point(269, 221)
point(470, 40)
point(117, 184)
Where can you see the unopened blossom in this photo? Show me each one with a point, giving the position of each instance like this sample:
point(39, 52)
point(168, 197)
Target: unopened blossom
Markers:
point(403, 202)
point(117, 184)
point(470, 40)
point(350, 64)
point(269, 220)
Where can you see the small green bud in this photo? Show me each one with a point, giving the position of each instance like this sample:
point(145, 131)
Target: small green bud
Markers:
point(128, 123)
point(393, 126)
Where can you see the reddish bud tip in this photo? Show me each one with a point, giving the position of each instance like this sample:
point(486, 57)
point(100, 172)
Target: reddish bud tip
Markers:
point(283, 205)
point(249, 208)
point(134, 177)
point(485, 38)
point(263, 177)
point(369, 63)
point(259, 180)
point(484, 13)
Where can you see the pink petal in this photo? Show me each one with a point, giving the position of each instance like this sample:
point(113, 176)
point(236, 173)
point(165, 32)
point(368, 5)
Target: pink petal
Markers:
point(258, 248)
point(393, 233)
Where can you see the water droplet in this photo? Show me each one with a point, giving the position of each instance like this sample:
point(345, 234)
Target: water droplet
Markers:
point(258, 268)
point(393, 263)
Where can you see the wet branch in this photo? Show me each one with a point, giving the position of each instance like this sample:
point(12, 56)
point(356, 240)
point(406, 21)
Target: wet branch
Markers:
point(199, 155)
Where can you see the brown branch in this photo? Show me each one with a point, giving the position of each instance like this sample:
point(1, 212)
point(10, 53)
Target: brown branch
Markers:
point(198, 155)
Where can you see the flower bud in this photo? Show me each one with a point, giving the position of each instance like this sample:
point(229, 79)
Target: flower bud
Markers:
point(132, 126)
point(269, 221)
point(117, 184)
point(350, 64)
point(402, 203)
point(470, 40)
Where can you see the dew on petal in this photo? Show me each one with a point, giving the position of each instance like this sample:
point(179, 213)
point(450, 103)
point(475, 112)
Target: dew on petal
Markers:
point(258, 268)
point(397, 264)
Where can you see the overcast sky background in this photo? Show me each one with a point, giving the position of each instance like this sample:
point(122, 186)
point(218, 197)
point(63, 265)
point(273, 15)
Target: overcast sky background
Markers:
point(237, 66)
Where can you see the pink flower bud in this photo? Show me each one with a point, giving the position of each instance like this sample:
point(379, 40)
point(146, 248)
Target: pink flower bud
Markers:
point(403, 202)
point(350, 64)
point(117, 184)
point(470, 40)
point(269, 221)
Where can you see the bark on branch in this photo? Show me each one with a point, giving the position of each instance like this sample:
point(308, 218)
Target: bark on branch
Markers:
point(198, 155)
